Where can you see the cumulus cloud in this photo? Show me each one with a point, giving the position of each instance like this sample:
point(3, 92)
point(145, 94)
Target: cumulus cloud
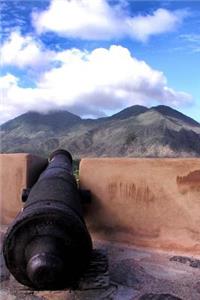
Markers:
point(85, 19)
point(22, 51)
point(93, 82)
point(161, 21)
point(98, 20)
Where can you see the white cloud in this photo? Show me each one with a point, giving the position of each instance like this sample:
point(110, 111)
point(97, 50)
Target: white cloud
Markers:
point(98, 20)
point(161, 21)
point(22, 51)
point(86, 19)
point(92, 83)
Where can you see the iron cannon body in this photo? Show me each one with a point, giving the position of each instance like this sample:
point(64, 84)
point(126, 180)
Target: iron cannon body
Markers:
point(48, 245)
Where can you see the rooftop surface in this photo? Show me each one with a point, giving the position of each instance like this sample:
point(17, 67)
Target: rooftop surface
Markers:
point(134, 274)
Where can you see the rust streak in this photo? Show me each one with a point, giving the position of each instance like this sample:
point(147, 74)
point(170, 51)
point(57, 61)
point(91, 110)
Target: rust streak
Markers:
point(190, 182)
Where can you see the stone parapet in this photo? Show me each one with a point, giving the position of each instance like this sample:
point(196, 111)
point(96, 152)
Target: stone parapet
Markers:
point(145, 202)
point(17, 171)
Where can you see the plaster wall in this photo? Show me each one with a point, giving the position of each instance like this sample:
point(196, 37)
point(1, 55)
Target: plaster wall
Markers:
point(146, 202)
point(17, 171)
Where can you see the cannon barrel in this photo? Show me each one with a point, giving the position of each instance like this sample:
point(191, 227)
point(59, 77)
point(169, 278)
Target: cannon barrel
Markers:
point(48, 245)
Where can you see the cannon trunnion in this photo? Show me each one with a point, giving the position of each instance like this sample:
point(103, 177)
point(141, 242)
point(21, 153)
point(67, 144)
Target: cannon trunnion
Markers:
point(48, 245)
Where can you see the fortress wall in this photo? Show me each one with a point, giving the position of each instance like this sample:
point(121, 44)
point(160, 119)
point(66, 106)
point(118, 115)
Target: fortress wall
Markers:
point(17, 171)
point(146, 202)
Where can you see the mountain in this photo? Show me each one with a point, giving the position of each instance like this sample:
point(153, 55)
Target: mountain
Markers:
point(129, 112)
point(135, 131)
point(172, 113)
point(54, 120)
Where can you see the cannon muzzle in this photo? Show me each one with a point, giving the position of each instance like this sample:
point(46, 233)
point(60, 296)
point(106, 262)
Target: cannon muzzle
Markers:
point(48, 245)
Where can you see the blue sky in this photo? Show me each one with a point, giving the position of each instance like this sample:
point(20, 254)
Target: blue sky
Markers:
point(96, 57)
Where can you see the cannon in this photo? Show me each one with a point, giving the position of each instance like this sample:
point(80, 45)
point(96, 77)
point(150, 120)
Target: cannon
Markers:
point(48, 245)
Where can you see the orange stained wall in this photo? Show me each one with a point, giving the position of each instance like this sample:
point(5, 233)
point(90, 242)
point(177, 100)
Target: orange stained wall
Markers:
point(145, 201)
point(17, 171)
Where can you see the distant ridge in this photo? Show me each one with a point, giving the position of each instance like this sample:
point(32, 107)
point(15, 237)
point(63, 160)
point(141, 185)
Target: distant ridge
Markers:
point(170, 112)
point(55, 120)
point(136, 131)
point(128, 112)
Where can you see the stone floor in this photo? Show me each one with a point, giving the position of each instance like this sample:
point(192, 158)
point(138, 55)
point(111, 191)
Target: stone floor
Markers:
point(134, 274)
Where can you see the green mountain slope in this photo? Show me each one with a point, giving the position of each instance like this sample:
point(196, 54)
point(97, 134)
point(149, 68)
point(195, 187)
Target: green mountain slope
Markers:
point(136, 131)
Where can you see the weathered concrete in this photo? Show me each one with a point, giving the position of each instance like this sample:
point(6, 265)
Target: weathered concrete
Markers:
point(17, 171)
point(146, 202)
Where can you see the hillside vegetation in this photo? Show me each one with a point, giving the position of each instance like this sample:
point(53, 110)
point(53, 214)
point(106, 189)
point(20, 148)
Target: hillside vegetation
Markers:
point(135, 131)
